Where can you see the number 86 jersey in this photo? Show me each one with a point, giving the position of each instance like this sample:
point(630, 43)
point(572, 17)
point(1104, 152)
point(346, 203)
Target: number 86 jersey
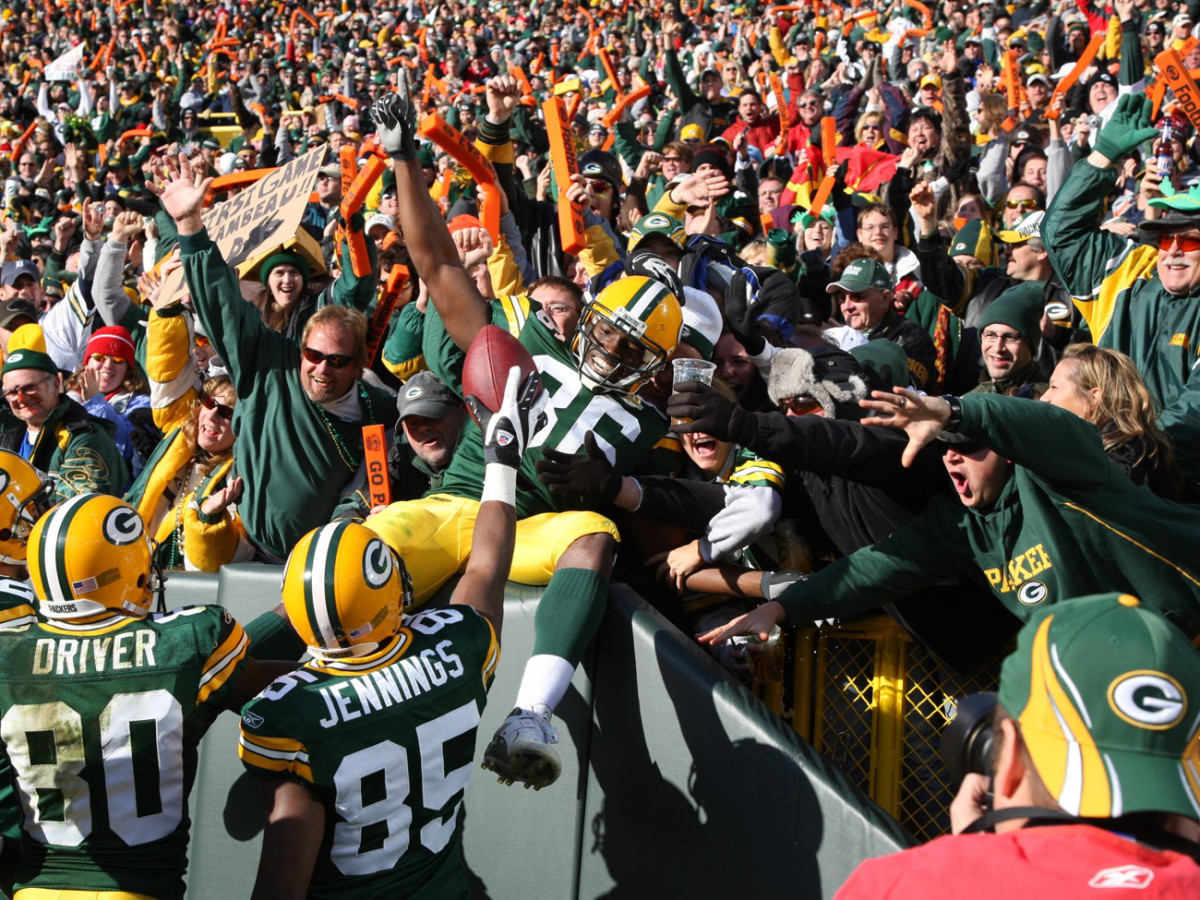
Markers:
point(100, 725)
point(387, 743)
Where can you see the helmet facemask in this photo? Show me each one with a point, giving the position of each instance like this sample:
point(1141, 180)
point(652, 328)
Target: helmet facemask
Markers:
point(623, 375)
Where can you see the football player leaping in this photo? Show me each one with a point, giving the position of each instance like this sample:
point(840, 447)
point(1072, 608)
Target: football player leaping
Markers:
point(625, 337)
point(102, 707)
point(365, 752)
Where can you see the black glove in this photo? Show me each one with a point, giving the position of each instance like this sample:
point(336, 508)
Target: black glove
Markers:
point(648, 263)
point(590, 476)
point(395, 118)
point(144, 434)
point(708, 412)
point(507, 432)
point(740, 299)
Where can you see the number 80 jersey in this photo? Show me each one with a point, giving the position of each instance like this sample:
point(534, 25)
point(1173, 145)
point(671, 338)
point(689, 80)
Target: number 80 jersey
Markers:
point(100, 724)
point(387, 743)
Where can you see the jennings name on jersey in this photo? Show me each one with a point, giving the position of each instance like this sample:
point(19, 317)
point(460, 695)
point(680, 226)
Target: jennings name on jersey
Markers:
point(100, 725)
point(387, 743)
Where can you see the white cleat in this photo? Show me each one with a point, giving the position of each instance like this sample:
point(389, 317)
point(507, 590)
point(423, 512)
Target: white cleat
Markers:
point(520, 749)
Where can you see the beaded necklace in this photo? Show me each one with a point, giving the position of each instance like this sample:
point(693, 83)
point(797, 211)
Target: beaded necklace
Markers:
point(338, 443)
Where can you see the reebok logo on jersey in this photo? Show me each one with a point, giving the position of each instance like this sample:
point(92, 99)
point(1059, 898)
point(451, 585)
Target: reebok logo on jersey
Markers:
point(254, 720)
point(1127, 877)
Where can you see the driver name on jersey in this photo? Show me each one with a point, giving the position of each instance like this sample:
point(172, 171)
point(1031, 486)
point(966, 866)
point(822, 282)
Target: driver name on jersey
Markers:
point(632, 434)
point(100, 724)
point(386, 742)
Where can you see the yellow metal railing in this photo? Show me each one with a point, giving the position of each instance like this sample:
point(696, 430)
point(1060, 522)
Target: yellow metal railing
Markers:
point(874, 701)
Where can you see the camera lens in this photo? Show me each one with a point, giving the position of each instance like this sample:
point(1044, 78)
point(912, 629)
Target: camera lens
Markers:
point(967, 740)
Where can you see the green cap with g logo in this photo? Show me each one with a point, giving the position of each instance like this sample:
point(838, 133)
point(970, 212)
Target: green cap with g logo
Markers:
point(1107, 696)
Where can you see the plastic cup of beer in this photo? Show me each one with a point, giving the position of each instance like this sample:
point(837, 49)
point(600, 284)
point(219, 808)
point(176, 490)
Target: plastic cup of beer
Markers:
point(700, 370)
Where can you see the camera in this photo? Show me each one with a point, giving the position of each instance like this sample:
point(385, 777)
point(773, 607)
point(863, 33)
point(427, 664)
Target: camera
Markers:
point(967, 740)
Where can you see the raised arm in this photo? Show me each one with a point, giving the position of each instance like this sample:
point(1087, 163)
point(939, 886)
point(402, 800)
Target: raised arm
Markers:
point(461, 306)
point(506, 434)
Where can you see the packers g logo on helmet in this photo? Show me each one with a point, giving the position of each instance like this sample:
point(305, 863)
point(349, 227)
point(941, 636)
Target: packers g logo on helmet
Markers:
point(344, 591)
point(25, 496)
point(632, 310)
point(90, 557)
point(658, 223)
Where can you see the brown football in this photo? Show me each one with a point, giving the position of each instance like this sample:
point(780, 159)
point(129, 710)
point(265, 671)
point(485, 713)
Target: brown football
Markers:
point(489, 358)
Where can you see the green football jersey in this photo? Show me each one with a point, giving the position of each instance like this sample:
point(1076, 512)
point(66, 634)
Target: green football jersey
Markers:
point(17, 601)
point(387, 744)
point(632, 434)
point(100, 724)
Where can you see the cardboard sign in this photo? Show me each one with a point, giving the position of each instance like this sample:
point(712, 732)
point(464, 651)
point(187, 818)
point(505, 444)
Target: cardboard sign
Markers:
point(260, 219)
point(66, 67)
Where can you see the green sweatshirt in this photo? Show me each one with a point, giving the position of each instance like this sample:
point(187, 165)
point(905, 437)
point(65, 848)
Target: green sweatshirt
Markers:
point(1115, 285)
point(293, 470)
point(1067, 523)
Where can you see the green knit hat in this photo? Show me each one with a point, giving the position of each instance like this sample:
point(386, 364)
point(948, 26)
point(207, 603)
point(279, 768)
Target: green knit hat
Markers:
point(285, 258)
point(27, 350)
point(1020, 307)
point(975, 239)
point(1105, 692)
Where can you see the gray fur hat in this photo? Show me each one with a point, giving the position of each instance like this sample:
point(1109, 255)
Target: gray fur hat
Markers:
point(828, 375)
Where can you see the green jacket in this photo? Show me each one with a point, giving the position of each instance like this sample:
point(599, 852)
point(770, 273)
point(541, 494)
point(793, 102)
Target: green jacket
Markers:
point(1116, 287)
point(292, 465)
point(75, 447)
point(1067, 523)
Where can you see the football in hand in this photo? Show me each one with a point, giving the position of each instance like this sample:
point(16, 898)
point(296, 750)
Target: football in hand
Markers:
point(489, 358)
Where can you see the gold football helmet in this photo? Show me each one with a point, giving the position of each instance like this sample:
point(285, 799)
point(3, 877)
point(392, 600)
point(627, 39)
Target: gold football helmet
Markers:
point(627, 333)
point(25, 496)
point(90, 557)
point(345, 590)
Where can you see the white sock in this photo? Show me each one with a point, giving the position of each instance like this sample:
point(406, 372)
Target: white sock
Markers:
point(545, 680)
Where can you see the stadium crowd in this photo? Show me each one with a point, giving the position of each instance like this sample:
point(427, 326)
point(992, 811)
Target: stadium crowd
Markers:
point(944, 260)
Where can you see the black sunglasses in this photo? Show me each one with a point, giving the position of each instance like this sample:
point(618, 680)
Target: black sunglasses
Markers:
point(334, 360)
point(225, 412)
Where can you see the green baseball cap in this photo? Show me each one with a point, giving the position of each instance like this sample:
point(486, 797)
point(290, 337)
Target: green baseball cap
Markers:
point(862, 275)
point(657, 223)
point(1105, 692)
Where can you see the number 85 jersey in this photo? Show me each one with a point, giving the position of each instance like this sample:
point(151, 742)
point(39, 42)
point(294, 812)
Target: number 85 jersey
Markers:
point(100, 725)
point(387, 743)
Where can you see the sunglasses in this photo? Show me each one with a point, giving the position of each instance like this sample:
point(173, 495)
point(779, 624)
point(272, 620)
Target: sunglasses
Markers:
point(333, 360)
point(1188, 243)
point(800, 406)
point(225, 412)
point(202, 341)
point(600, 187)
point(1020, 204)
point(103, 357)
point(811, 104)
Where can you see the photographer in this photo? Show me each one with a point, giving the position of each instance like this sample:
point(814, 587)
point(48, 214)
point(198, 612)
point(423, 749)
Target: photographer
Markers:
point(1092, 753)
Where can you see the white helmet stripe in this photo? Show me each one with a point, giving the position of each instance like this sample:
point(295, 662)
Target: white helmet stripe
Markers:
point(321, 602)
point(53, 580)
point(644, 301)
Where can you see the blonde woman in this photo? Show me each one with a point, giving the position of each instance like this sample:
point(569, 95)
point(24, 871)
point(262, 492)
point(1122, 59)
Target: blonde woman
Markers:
point(1103, 387)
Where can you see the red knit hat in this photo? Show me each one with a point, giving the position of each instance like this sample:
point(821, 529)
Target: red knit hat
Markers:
point(112, 340)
